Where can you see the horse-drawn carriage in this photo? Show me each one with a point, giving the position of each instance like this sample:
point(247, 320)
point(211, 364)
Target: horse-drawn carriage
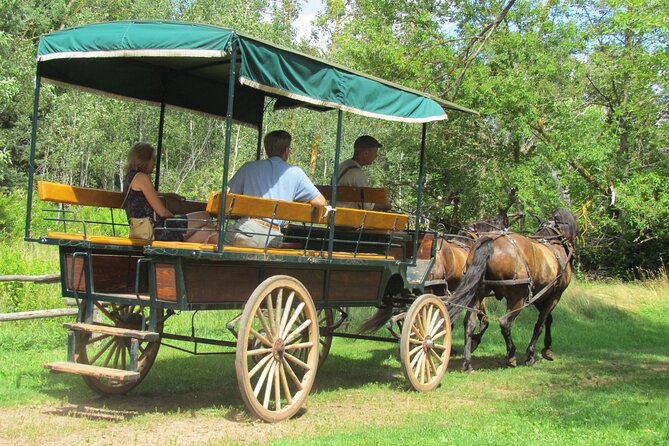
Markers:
point(291, 296)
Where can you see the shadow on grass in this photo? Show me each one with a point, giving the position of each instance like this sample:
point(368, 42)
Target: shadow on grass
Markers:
point(600, 348)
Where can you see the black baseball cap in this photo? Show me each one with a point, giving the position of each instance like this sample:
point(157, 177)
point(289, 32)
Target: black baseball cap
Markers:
point(366, 142)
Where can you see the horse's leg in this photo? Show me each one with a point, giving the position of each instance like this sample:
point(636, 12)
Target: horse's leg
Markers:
point(545, 309)
point(547, 353)
point(470, 324)
point(483, 325)
point(505, 323)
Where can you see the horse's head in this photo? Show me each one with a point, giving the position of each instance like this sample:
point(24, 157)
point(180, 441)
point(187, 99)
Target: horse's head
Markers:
point(563, 222)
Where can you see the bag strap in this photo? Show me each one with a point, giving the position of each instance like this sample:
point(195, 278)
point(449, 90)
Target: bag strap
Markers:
point(127, 192)
point(343, 172)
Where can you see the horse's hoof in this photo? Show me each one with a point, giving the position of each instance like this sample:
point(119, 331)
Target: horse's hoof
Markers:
point(511, 362)
point(530, 361)
point(547, 354)
point(467, 368)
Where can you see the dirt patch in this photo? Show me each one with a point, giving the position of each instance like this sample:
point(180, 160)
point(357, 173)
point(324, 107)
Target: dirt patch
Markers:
point(94, 424)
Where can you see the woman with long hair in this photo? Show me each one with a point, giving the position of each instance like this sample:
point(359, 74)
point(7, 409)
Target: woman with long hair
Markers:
point(142, 201)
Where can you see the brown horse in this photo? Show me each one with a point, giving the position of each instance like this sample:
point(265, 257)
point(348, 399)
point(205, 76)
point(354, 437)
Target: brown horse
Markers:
point(523, 270)
point(449, 267)
point(452, 252)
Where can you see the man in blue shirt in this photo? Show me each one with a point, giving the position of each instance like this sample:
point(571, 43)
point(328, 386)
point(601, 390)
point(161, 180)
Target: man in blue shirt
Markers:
point(270, 178)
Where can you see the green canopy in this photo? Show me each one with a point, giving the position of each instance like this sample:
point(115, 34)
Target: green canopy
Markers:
point(187, 66)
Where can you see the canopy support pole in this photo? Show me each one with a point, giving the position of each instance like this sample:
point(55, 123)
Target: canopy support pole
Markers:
point(228, 136)
point(33, 149)
point(161, 128)
point(421, 183)
point(335, 175)
point(259, 146)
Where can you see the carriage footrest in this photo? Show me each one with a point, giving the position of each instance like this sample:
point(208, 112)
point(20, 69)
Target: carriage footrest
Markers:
point(148, 336)
point(94, 371)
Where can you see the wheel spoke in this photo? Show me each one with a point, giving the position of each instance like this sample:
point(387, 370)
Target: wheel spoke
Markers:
point(293, 318)
point(299, 346)
point(437, 327)
point(104, 310)
point(261, 380)
point(415, 341)
point(260, 337)
point(279, 311)
point(426, 366)
point(123, 357)
point(271, 316)
point(414, 350)
point(431, 364)
point(101, 351)
point(291, 374)
point(119, 347)
point(111, 353)
point(277, 388)
point(284, 383)
point(94, 339)
point(415, 359)
point(296, 361)
point(433, 318)
point(439, 335)
point(258, 351)
point(268, 388)
point(440, 346)
point(289, 306)
point(422, 369)
point(297, 331)
point(260, 365)
point(433, 353)
point(263, 322)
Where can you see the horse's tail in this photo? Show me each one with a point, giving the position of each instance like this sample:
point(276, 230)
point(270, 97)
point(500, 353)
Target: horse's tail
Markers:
point(466, 291)
point(375, 322)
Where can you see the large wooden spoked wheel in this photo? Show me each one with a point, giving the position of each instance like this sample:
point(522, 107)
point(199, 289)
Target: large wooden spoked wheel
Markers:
point(425, 344)
point(114, 352)
point(277, 348)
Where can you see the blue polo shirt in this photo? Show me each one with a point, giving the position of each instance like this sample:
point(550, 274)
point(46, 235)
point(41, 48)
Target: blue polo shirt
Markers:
point(273, 178)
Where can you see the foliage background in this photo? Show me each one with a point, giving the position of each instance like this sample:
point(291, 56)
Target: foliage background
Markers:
point(572, 95)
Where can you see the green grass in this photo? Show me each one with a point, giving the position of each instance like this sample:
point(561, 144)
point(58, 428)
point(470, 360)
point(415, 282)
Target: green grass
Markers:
point(609, 383)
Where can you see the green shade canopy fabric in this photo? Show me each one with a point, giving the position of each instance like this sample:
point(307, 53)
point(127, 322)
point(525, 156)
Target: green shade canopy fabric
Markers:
point(187, 66)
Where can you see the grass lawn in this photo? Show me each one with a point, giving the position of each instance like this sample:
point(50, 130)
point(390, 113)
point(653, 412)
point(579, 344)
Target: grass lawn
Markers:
point(609, 384)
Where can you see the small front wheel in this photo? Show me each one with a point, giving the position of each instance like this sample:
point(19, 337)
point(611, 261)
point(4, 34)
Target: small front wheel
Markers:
point(277, 348)
point(425, 344)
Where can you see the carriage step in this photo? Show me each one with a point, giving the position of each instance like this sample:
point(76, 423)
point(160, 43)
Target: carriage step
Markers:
point(94, 371)
point(148, 336)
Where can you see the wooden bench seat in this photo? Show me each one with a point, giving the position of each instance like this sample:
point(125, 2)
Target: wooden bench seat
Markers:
point(365, 195)
point(98, 239)
point(282, 251)
point(87, 196)
point(255, 207)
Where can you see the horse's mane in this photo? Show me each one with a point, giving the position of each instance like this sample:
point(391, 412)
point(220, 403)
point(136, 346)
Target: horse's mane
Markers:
point(564, 222)
point(498, 223)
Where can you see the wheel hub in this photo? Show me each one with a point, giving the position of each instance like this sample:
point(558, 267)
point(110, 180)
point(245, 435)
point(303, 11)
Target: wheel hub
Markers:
point(278, 349)
point(428, 343)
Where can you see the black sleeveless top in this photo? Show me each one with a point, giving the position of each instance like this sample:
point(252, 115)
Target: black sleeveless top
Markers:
point(137, 206)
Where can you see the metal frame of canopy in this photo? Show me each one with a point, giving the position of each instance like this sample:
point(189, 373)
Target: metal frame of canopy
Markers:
point(154, 49)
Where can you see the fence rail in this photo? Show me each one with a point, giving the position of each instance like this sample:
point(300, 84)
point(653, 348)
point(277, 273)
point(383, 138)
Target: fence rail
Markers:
point(36, 314)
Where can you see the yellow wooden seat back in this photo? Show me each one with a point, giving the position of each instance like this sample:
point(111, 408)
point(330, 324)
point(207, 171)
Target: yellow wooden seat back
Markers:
point(256, 207)
point(84, 196)
point(371, 195)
